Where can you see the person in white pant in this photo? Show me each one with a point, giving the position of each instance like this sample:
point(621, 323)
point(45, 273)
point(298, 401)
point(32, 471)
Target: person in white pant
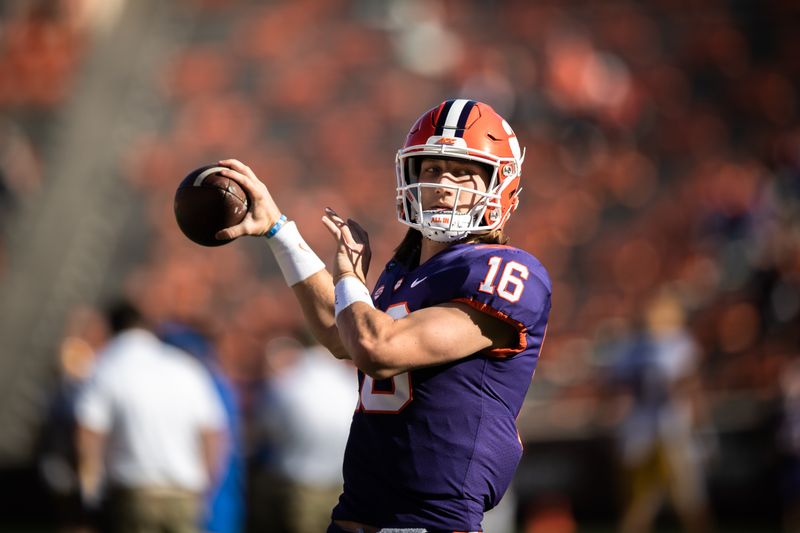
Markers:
point(150, 430)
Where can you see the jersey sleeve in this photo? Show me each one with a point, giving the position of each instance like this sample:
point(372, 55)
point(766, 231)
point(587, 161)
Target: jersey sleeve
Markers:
point(504, 282)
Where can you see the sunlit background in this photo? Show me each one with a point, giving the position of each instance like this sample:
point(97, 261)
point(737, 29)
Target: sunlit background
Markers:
point(661, 191)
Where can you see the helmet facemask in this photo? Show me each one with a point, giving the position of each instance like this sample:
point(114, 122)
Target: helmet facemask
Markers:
point(445, 225)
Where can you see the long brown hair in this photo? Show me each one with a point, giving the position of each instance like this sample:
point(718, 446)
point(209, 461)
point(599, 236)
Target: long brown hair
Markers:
point(407, 252)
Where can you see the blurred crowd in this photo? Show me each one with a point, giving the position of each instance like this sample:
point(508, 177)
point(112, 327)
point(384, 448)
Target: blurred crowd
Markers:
point(660, 153)
point(661, 190)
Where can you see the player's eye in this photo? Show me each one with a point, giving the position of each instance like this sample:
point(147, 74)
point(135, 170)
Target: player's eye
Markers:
point(432, 170)
point(465, 171)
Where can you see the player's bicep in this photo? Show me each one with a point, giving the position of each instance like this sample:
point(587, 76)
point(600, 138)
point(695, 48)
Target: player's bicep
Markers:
point(447, 332)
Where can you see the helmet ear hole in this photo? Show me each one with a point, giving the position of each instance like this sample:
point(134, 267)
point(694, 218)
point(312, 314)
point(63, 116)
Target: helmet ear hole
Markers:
point(508, 170)
point(491, 216)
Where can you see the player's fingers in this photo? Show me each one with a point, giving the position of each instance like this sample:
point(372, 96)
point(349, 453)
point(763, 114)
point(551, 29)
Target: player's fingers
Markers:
point(347, 235)
point(344, 232)
point(249, 185)
point(242, 174)
point(238, 166)
point(330, 213)
point(231, 233)
point(262, 204)
point(249, 226)
point(332, 227)
point(331, 216)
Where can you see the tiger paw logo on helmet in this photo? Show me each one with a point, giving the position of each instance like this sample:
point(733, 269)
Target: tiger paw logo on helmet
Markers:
point(460, 129)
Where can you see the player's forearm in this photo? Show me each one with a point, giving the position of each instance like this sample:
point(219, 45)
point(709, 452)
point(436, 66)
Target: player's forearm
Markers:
point(368, 336)
point(312, 284)
point(315, 296)
point(366, 333)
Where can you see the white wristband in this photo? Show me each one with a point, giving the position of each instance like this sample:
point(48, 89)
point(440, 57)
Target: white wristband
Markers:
point(348, 291)
point(296, 260)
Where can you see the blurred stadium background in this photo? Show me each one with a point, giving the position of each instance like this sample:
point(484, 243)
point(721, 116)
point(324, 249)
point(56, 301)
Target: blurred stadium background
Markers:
point(663, 152)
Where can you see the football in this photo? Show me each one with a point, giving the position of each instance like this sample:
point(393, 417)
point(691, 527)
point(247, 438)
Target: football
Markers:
point(207, 202)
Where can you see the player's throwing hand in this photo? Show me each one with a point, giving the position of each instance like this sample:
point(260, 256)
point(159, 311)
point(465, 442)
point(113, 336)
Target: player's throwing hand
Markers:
point(263, 212)
point(353, 253)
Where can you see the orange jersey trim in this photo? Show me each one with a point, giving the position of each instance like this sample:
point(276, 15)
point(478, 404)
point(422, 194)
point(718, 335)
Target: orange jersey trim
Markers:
point(493, 246)
point(499, 353)
point(544, 338)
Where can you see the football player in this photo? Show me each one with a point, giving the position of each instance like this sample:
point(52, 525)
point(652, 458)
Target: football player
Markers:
point(447, 341)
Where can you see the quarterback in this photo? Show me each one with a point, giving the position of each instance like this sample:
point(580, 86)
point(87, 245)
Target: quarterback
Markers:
point(447, 341)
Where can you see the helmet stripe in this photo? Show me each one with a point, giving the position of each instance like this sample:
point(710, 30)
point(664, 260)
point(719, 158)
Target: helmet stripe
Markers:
point(462, 120)
point(443, 117)
point(455, 117)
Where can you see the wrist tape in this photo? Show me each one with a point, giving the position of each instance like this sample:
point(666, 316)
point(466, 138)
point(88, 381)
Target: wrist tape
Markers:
point(348, 291)
point(296, 260)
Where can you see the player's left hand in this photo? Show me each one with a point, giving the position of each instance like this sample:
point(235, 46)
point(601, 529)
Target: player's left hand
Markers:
point(353, 253)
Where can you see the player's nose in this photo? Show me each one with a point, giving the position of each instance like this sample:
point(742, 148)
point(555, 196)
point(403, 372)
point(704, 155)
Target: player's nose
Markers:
point(442, 190)
point(446, 180)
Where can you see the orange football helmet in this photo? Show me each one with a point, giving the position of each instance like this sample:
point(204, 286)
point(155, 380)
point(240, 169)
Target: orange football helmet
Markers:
point(460, 129)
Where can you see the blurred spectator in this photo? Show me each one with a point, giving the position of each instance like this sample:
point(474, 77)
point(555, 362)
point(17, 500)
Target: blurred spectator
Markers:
point(790, 446)
point(58, 459)
point(225, 499)
point(19, 175)
point(19, 163)
point(551, 515)
point(151, 417)
point(308, 404)
point(661, 451)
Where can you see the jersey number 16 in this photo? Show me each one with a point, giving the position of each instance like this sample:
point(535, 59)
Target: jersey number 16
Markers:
point(509, 287)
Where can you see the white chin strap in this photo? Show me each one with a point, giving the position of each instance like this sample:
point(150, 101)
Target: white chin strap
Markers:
point(445, 226)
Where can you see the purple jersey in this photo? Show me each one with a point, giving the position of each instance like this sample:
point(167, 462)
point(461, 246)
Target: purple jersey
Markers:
point(436, 447)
